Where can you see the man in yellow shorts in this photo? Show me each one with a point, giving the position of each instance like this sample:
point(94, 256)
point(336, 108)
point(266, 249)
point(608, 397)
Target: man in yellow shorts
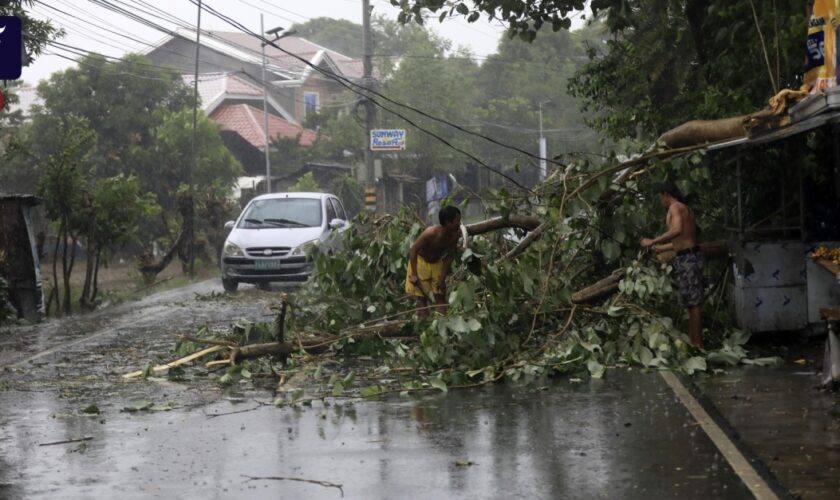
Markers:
point(430, 258)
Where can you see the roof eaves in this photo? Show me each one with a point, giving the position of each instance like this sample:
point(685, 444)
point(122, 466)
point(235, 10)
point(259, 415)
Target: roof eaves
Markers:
point(781, 132)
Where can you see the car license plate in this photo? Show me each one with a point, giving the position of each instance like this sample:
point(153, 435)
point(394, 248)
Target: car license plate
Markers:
point(266, 264)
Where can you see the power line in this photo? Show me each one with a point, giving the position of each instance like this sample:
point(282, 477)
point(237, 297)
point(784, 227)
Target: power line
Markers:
point(353, 87)
point(347, 83)
point(367, 92)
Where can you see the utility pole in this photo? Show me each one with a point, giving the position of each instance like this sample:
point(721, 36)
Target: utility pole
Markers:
point(190, 218)
point(370, 110)
point(265, 113)
point(543, 152)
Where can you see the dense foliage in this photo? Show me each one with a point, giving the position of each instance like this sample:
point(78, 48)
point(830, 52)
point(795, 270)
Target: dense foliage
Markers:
point(513, 318)
point(663, 62)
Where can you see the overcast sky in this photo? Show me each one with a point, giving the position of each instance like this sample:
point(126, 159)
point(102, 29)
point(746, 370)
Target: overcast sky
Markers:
point(92, 27)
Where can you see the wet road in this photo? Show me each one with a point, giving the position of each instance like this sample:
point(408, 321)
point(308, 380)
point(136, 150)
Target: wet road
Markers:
point(628, 436)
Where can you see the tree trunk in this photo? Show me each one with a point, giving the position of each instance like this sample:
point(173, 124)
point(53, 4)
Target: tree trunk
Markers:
point(526, 222)
point(600, 289)
point(95, 292)
point(86, 299)
point(55, 268)
point(391, 329)
point(152, 269)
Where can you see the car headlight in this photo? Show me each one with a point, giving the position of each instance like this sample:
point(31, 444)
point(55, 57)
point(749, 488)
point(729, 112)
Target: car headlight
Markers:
point(304, 248)
point(233, 250)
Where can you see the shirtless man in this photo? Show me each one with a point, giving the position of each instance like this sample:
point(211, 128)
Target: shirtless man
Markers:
point(681, 238)
point(430, 258)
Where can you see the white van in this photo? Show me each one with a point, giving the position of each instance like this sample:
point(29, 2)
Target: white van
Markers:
point(268, 243)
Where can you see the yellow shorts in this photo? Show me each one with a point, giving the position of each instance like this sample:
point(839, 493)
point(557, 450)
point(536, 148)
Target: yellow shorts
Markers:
point(429, 275)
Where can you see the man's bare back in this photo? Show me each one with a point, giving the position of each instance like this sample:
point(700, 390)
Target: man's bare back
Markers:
point(436, 243)
point(681, 218)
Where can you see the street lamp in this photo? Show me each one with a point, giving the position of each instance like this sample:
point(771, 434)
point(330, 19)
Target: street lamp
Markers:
point(277, 36)
point(543, 153)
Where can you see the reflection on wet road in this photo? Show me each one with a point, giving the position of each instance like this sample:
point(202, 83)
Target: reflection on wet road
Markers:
point(624, 437)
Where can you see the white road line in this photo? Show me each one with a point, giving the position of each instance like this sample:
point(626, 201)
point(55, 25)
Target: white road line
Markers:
point(756, 484)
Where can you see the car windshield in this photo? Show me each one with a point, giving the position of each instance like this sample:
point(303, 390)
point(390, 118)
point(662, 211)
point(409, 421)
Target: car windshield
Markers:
point(282, 212)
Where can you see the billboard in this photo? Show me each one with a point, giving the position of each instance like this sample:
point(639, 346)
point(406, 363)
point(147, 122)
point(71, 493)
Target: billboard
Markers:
point(821, 49)
point(387, 139)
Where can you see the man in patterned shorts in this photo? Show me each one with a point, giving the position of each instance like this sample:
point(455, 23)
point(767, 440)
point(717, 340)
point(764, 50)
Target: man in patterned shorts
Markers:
point(681, 238)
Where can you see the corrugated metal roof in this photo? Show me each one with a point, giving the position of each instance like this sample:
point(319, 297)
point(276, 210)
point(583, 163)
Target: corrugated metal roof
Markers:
point(781, 132)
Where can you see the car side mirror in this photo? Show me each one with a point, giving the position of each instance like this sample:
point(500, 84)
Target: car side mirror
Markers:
point(229, 224)
point(336, 224)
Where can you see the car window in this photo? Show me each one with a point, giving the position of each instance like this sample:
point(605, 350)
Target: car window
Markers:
point(339, 210)
point(282, 212)
point(330, 211)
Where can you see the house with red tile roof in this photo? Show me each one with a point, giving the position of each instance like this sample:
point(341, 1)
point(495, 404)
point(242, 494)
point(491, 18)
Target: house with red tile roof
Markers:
point(301, 78)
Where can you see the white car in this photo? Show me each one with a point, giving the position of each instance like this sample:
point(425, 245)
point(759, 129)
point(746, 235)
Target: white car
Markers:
point(269, 241)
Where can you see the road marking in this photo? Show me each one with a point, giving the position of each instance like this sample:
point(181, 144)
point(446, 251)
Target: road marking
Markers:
point(756, 484)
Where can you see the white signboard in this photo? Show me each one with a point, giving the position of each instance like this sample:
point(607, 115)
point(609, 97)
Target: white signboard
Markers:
point(387, 139)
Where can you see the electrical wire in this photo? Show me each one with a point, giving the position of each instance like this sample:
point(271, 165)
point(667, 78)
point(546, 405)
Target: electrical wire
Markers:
point(355, 88)
point(123, 11)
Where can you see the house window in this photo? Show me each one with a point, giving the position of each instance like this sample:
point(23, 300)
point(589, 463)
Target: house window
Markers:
point(310, 103)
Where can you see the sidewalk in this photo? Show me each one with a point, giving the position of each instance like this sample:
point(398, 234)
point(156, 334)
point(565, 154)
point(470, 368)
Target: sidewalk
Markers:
point(784, 418)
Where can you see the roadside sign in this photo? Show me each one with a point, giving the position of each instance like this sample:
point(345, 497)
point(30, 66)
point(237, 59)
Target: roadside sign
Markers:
point(11, 45)
point(387, 139)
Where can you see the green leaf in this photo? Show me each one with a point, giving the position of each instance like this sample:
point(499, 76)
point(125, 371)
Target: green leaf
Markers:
point(615, 311)
point(769, 361)
point(297, 394)
point(370, 391)
point(645, 356)
point(91, 410)
point(338, 389)
point(245, 373)
point(349, 378)
point(596, 369)
point(462, 9)
point(138, 405)
point(457, 324)
point(723, 358)
point(438, 383)
point(693, 364)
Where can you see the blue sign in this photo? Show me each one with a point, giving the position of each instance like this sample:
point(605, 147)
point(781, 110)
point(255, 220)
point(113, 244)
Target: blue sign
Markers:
point(11, 48)
point(815, 47)
point(387, 139)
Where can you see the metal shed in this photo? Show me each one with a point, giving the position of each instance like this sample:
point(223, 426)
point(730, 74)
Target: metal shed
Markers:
point(18, 215)
point(776, 285)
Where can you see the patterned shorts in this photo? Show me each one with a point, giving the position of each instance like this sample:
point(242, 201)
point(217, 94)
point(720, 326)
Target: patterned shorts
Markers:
point(689, 267)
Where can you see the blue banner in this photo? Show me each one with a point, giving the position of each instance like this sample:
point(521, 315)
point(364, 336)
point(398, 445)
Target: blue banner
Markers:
point(11, 48)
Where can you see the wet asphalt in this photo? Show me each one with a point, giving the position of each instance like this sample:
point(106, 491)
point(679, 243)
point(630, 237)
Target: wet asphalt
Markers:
point(627, 436)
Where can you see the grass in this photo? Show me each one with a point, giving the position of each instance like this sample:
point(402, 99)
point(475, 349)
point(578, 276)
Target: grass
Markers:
point(121, 281)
